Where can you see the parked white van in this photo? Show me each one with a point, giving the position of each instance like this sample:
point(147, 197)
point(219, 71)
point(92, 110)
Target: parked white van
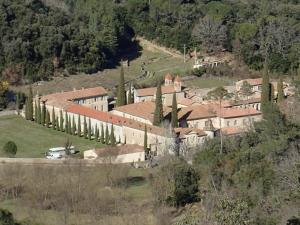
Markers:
point(58, 153)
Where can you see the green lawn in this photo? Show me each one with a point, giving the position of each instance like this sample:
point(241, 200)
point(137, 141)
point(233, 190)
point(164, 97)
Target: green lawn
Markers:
point(33, 140)
point(209, 82)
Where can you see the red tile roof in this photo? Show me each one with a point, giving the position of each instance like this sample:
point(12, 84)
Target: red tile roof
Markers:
point(168, 76)
point(186, 102)
point(152, 91)
point(113, 119)
point(232, 130)
point(196, 112)
point(64, 99)
point(177, 79)
point(185, 131)
point(143, 110)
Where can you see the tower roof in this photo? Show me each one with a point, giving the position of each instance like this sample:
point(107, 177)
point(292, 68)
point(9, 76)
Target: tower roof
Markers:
point(168, 76)
point(178, 79)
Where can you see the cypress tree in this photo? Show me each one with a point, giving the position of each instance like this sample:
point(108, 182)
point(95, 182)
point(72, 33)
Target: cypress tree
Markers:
point(53, 121)
point(146, 140)
point(106, 135)
point(66, 123)
point(90, 130)
point(79, 126)
point(158, 113)
point(96, 133)
point(36, 113)
point(266, 90)
point(43, 114)
point(129, 96)
point(280, 95)
point(39, 113)
point(102, 135)
point(57, 124)
point(61, 122)
point(112, 136)
point(73, 126)
point(47, 119)
point(121, 95)
point(84, 128)
point(69, 125)
point(174, 116)
point(29, 105)
point(18, 103)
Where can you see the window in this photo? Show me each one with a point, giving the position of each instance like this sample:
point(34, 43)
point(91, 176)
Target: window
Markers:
point(235, 122)
point(228, 123)
point(207, 123)
point(95, 99)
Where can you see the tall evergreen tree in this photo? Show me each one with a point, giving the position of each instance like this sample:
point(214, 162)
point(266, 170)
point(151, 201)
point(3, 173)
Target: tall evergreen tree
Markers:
point(174, 116)
point(90, 130)
point(43, 114)
point(57, 124)
point(96, 133)
point(47, 119)
point(69, 125)
point(106, 135)
point(158, 113)
point(266, 90)
point(73, 126)
point(112, 136)
point(39, 113)
point(61, 121)
point(53, 121)
point(146, 140)
point(129, 96)
point(102, 139)
point(18, 104)
point(66, 123)
point(121, 95)
point(79, 126)
point(29, 105)
point(85, 128)
point(280, 95)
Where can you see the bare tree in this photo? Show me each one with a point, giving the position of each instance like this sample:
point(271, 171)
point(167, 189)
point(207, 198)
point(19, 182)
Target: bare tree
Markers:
point(210, 33)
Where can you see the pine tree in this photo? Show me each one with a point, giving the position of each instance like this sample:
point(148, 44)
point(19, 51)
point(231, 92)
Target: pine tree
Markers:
point(18, 103)
point(102, 135)
point(146, 140)
point(158, 113)
point(174, 116)
point(112, 136)
point(90, 130)
point(96, 133)
point(43, 114)
point(106, 135)
point(29, 105)
point(121, 95)
point(53, 121)
point(79, 127)
point(66, 123)
point(129, 96)
point(47, 119)
point(266, 90)
point(84, 128)
point(61, 122)
point(280, 95)
point(73, 126)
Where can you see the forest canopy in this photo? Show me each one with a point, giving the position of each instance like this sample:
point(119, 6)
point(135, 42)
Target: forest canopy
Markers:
point(39, 37)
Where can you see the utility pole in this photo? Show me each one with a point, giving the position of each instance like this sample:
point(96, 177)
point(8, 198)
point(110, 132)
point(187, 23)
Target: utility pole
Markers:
point(184, 47)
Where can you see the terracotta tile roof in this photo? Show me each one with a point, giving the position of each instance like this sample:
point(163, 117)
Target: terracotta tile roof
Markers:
point(232, 130)
point(196, 112)
point(247, 101)
point(119, 150)
point(152, 91)
point(186, 102)
point(177, 79)
point(113, 119)
point(168, 76)
point(64, 99)
point(143, 110)
point(185, 131)
point(238, 112)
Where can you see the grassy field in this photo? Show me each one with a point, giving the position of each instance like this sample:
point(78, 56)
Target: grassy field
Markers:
point(33, 140)
point(209, 82)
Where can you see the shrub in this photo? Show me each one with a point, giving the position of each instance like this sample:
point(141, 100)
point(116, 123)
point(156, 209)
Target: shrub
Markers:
point(10, 149)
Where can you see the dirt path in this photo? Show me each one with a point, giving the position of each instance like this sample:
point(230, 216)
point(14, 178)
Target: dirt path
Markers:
point(154, 47)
